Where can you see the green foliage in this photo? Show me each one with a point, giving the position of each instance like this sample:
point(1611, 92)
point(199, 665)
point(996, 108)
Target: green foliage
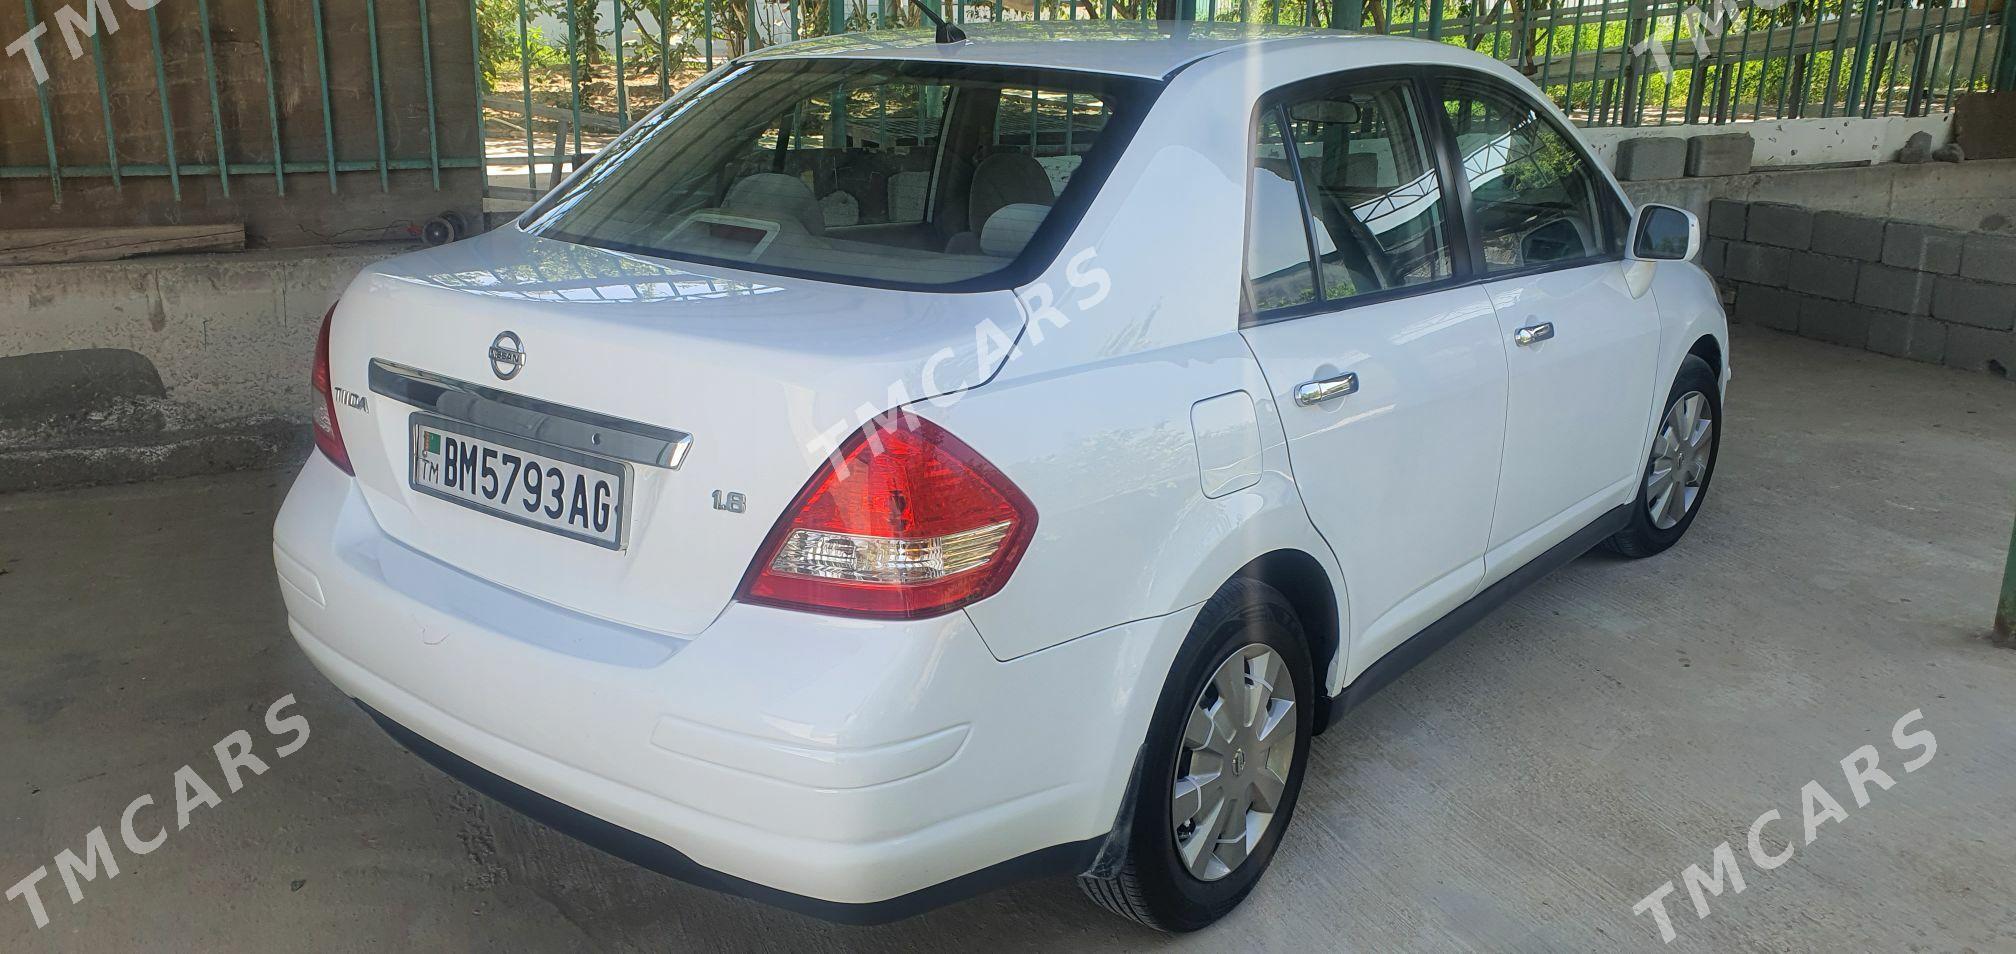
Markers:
point(504, 50)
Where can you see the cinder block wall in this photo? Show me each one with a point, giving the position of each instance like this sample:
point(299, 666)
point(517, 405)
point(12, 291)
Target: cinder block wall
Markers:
point(1929, 294)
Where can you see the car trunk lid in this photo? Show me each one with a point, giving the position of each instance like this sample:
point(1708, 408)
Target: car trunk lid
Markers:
point(764, 375)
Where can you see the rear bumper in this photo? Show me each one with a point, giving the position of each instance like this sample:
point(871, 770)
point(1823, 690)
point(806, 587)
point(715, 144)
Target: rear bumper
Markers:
point(852, 770)
point(664, 859)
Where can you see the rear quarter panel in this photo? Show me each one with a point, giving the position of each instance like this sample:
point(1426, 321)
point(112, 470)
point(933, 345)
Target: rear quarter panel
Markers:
point(1135, 322)
point(1124, 531)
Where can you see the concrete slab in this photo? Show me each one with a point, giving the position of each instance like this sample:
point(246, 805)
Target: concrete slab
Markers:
point(229, 332)
point(1970, 196)
point(1519, 791)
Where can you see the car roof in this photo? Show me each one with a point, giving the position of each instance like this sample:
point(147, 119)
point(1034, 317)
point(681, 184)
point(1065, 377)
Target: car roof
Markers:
point(1141, 48)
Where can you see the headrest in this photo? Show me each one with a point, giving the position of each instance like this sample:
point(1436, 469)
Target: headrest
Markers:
point(779, 198)
point(1009, 229)
point(1003, 179)
point(1361, 169)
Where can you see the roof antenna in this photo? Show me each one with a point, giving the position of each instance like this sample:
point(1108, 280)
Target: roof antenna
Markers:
point(947, 33)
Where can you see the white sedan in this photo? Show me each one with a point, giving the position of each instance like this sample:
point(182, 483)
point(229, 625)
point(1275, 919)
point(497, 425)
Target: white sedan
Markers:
point(898, 467)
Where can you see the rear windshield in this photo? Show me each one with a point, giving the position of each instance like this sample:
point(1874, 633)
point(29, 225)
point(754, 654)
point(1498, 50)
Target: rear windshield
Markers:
point(894, 173)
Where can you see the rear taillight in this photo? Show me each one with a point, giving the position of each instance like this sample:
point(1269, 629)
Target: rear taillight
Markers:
point(328, 436)
point(898, 524)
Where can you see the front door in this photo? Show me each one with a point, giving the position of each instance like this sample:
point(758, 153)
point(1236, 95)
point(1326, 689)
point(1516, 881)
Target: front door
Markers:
point(1389, 377)
point(1581, 347)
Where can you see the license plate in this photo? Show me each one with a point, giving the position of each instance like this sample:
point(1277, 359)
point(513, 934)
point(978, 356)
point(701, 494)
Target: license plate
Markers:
point(551, 488)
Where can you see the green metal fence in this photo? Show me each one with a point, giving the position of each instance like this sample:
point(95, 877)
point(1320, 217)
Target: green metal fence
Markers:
point(116, 103)
point(562, 76)
point(319, 94)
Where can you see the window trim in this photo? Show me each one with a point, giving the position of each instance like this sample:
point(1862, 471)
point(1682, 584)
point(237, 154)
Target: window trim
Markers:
point(1431, 137)
point(1606, 194)
point(1465, 256)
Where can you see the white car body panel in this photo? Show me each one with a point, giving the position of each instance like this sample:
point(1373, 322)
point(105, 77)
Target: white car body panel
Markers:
point(837, 759)
point(855, 762)
point(1575, 407)
point(785, 368)
point(1399, 477)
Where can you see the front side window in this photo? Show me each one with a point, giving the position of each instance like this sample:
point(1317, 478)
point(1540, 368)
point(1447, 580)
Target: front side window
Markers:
point(1370, 199)
point(1534, 200)
point(882, 172)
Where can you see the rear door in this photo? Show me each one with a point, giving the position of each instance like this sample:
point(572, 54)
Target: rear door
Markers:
point(1581, 347)
point(1389, 374)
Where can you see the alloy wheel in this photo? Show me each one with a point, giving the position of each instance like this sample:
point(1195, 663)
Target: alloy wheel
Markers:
point(1234, 765)
point(1680, 458)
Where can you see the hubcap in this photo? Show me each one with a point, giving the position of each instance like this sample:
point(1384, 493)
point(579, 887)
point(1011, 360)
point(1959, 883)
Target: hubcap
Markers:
point(1238, 750)
point(1680, 458)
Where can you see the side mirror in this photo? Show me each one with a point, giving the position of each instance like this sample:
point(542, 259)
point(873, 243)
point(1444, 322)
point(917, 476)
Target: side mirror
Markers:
point(1662, 233)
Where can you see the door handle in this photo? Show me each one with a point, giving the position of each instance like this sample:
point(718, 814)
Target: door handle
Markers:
point(1312, 393)
point(1533, 333)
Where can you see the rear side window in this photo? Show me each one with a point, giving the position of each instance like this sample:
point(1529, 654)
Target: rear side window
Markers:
point(1278, 271)
point(1534, 200)
point(1369, 202)
point(883, 172)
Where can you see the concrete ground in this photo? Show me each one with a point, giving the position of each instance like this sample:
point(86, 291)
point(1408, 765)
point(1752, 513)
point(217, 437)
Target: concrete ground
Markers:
point(1519, 791)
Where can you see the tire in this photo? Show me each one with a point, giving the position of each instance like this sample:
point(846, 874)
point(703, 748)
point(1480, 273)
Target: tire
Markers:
point(1154, 884)
point(1654, 528)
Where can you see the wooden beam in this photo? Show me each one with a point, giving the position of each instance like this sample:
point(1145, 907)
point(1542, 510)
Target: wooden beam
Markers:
point(56, 246)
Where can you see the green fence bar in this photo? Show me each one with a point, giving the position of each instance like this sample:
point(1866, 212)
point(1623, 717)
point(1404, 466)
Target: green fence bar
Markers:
point(273, 100)
point(1791, 60)
point(476, 65)
point(1858, 69)
point(1952, 75)
point(622, 80)
point(377, 95)
point(427, 79)
point(573, 84)
point(1974, 63)
point(216, 106)
point(1764, 76)
point(2005, 59)
point(328, 111)
point(665, 45)
point(525, 81)
point(1672, 50)
point(105, 106)
point(167, 111)
point(49, 123)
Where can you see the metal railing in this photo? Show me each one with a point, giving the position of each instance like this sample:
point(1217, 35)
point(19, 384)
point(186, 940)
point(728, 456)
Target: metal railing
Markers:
point(556, 79)
point(553, 66)
point(112, 106)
